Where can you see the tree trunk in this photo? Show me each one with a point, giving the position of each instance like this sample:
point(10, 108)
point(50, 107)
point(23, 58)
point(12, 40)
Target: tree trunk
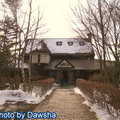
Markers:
point(22, 70)
point(29, 69)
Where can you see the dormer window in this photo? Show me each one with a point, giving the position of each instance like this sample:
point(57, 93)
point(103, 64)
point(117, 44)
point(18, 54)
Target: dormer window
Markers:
point(59, 43)
point(70, 43)
point(82, 43)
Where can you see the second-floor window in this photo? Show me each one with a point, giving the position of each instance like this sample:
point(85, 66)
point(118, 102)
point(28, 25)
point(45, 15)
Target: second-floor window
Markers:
point(70, 43)
point(59, 43)
point(82, 43)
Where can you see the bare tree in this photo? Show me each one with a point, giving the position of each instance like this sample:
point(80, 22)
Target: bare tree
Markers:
point(28, 30)
point(114, 30)
point(37, 27)
point(100, 19)
point(30, 35)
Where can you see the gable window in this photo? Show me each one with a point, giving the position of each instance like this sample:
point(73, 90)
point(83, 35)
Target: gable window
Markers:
point(82, 43)
point(70, 43)
point(64, 64)
point(59, 43)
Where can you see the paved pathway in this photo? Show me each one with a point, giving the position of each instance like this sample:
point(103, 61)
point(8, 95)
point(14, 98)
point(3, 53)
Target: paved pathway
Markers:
point(67, 104)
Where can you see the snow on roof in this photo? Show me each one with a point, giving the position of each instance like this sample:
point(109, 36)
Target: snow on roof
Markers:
point(36, 45)
point(66, 47)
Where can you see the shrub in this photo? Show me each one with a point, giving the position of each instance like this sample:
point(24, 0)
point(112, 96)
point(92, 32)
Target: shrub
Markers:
point(105, 95)
point(9, 83)
point(98, 77)
point(113, 75)
point(40, 87)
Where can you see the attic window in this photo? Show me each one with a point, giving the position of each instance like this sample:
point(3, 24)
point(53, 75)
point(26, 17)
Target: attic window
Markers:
point(70, 43)
point(82, 43)
point(59, 43)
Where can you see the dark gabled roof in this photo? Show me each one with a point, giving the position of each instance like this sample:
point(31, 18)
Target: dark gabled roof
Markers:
point(77, 63)
point(38, 46)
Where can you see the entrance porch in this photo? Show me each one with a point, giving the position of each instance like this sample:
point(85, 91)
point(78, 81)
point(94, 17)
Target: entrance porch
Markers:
point(69, 76)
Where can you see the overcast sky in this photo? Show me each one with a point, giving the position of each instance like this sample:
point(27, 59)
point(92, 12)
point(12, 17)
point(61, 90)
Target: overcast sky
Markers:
point(57, 15)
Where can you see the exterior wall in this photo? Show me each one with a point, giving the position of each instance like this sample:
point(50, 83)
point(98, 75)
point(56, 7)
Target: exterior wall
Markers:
point(44, 57)
point(70, 76)
point(35, 57)
point(40, 57)
point(58, 76)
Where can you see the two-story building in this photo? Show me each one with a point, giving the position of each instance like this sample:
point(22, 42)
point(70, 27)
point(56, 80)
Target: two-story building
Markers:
point(64, 59)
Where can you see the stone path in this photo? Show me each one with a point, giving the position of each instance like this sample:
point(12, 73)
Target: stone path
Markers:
point(67, 104)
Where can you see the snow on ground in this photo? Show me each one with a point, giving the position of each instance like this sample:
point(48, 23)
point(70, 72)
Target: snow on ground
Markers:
point(15, 96)
point(101, 113)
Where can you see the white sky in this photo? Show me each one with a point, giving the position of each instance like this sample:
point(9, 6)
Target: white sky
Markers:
point(56, 14)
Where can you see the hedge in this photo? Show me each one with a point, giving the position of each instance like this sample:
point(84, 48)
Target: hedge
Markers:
point(105, 95)
point(40, 87)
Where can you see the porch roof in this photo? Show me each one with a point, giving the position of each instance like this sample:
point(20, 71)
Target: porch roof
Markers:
point(77, 63)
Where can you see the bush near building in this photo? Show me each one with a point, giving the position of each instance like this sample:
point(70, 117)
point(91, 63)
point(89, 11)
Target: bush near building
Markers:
point(112, 75)
point(105, 95)
point(40, 87)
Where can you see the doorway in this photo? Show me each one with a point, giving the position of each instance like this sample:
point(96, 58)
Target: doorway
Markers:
point(65, 76)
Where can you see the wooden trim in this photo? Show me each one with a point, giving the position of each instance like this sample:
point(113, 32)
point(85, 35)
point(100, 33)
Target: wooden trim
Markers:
point(64, 67)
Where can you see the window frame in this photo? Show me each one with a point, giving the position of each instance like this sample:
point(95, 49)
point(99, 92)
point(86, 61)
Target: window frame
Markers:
point(70, 43)
point(59, 43)
point(82, 43)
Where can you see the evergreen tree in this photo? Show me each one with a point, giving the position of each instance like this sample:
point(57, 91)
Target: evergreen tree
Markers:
point(8, 29)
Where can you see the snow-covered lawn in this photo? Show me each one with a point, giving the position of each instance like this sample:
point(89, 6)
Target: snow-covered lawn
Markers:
point(101, 113)
point(14, 96)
